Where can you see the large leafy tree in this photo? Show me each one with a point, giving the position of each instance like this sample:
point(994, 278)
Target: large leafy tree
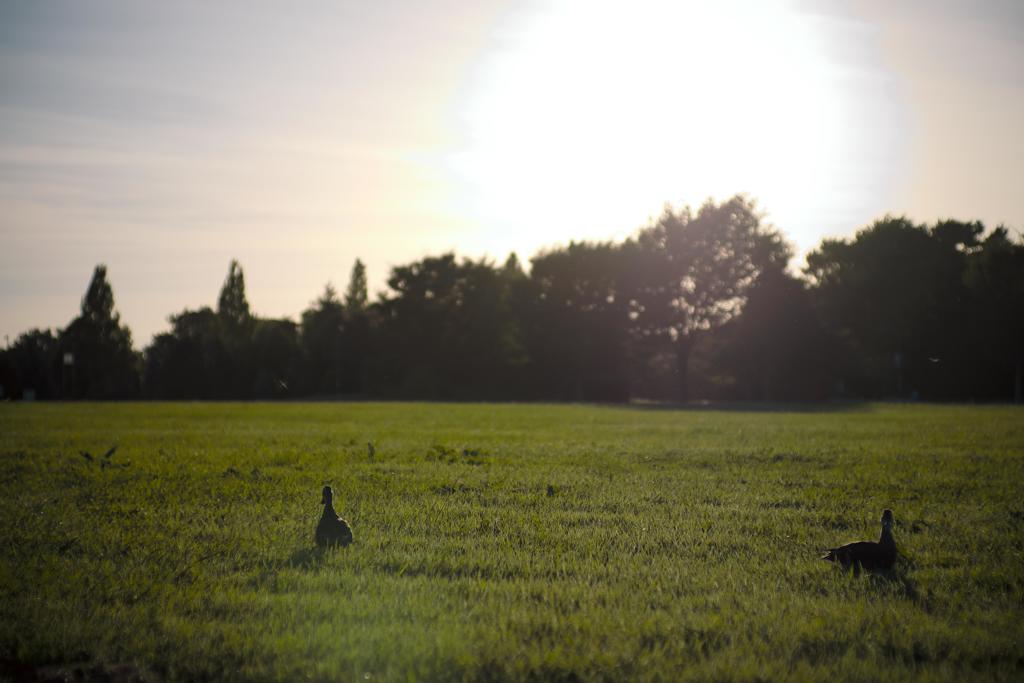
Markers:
point(275, 349)
point(190, 361)
point(776, 349)
point(576, 322)
point(336, 337)
point(895, 296)
point(322, 331)
point(210, 354)
point(690, 271)
point(103, 362)
point(448, 329)
point(32, 364)
point(995, 278)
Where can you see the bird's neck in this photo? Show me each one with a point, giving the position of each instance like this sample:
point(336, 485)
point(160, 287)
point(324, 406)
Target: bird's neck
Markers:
point(329, 509)
point(886, 537)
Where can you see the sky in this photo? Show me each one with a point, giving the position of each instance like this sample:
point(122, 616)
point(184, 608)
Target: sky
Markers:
point(166, 139)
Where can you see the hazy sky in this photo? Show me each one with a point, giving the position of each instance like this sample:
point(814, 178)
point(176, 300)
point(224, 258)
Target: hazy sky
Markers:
point(165, 139)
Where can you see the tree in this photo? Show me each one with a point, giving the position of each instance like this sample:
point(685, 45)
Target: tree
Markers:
point(191, 361)
point(276, 358)
point(576, 323)
point(98, 302)
point(208, 354)
point(322, 332)
point(356, 295)
point(33, 363)
point(232, 306)
point(237, 328)
point(995, 279)
point(104, 364)
point(689, 274)
point(895, 296)
point(358, 333)
point(776, 348)
point(447, 330)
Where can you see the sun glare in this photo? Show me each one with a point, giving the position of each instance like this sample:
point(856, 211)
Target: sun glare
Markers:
point(620, 109)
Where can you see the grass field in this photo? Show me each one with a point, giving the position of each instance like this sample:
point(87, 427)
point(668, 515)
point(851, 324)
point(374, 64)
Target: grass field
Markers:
point(522, 542)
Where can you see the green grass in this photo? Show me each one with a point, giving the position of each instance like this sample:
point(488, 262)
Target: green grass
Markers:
point(516, 542)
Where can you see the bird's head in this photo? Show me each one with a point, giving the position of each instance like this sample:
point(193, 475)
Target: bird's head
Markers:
point(328, 496)
point(887, 519)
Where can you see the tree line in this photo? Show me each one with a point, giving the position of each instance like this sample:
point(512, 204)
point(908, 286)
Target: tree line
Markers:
point(696, 304)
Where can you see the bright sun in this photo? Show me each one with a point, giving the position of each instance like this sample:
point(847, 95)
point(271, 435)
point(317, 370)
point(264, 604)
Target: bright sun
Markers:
point(595, 114)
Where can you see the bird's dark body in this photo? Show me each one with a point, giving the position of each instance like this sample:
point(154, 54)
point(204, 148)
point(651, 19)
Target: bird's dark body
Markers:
point(868, 555)
point(332, 529)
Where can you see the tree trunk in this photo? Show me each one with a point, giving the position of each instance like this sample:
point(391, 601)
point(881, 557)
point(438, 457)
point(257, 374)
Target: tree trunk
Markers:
point(683, 347)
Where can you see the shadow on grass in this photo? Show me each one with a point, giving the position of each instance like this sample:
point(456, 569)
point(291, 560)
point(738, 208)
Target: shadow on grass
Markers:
point(747, 406)
point(307, 558)
point(896, 581)
point(313, 556)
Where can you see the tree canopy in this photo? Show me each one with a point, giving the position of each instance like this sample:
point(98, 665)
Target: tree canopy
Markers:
point(232, 306)
point(690, 272)
point(697, 303)
point(97, 349)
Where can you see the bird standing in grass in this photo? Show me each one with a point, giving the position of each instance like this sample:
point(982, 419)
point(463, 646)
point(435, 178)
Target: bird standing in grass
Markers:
point(869, 555)
point(332, 529)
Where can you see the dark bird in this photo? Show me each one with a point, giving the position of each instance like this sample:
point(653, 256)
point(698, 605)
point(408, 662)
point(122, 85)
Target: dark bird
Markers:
point(869, 555)
point(332, 529)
